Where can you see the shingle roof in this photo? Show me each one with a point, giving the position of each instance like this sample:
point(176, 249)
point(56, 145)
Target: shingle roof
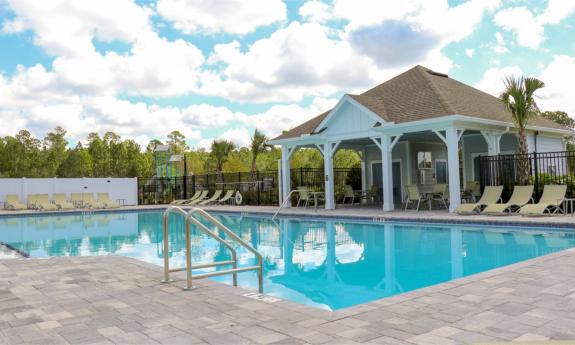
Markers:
point(420, 94)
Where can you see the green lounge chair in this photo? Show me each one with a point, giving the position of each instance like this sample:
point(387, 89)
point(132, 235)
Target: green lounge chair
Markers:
point(550, 202)
point(491, 195)
point(104, 199)
point(199, 199)
point(522, 195)
point(214, 197)
point(183, 201)
point(227, 197)
point(13, 203)
point(61, 203)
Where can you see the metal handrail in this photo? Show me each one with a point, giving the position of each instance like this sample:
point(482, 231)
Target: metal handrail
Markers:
point(288, 198)
point(205, 230)
point(236, 238)
point(189, 219)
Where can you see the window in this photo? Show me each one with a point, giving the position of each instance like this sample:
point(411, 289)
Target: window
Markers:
point(424, 160)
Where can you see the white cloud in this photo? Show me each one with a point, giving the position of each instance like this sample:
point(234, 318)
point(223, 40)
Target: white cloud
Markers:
point(240, 136)
point(315, 11)
point(558, 91)
point(230, 16)
point(469, 52)
point(500, 47)
point(530, 28)
point(492, 80)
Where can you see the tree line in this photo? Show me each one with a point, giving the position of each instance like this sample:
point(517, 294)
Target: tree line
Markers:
point(24, 155)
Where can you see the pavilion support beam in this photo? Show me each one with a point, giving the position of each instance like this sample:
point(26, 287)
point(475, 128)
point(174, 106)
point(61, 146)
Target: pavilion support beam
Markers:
point(452, 141)
point(386, 170)
point(364, 169)
point(287, 151)
point(493, 140)
point(328, 171)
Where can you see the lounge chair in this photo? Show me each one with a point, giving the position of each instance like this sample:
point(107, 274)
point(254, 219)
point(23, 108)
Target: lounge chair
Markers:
point(89, 201)
point(522, 195)
point(550, 202)
point(61, 203)
point(32, 201)
point(413, 196)
point(202, 197)
point(43, 203)
point(227, 197)
point(214, 198)
point(77, 200)
point(349, 195)
point(491, 195)
point(13, 203)
point(183, 201)
point(104, 198)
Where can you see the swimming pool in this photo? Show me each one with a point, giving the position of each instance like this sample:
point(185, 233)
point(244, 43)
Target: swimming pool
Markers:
point(330, 264)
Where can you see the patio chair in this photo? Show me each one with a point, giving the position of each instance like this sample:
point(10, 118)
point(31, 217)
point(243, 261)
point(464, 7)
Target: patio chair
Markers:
point(77, 200)
point(214, 198)
point(43, 203)
point(473, 189)
point(491, 195)
point(104, 198)
point(550, 202)
point(303, 197)
point(228, 197)
point(522, 195)
point(61, 203)
point(91, 202)
point(372, 194)
point(183, 201)
point(203, 195)
point(440, 194)
point(13, 203)
point(413, 196)
point(349, 194)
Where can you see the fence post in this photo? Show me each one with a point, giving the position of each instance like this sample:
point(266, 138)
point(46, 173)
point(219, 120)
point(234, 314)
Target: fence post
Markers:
point(536, 171)
point(258, 184)
point(301, 176)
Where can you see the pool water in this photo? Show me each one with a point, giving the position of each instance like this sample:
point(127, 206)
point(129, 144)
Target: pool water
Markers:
point(330, 264)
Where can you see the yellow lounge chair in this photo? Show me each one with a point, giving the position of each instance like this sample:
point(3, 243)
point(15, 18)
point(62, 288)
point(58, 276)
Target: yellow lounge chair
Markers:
point(491, 195)
point(199, 199)
point(43, 203)
point(183, 201)
point(214, 197)
point(91, 202)
point(227, 197)
point(77, 200)
point(32, 201)
point(550, 202)
point(413, 196)
point(522, 195)
point(60, 201)
point(13, 203)
point(104, 199)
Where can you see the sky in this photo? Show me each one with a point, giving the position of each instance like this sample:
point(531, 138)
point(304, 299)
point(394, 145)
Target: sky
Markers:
point(220, 69)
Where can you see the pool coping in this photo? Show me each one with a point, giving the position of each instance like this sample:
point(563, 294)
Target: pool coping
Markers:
point(469, 220)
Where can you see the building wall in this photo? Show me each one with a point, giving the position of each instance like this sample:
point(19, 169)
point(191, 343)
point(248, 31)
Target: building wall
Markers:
point(118, 188)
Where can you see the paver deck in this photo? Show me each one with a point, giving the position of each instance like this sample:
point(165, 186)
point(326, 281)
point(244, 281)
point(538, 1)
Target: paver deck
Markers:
point(111, 299)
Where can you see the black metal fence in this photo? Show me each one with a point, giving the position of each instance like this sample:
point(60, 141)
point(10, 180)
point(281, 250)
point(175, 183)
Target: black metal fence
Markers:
point(260, 188)
point(544, 168)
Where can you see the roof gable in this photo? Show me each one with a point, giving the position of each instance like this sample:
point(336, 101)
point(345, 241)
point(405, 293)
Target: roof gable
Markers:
point(420, 94)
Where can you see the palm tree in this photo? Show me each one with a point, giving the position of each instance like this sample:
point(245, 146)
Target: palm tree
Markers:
point(519, 99)
point(257, 146)
point(221, 149)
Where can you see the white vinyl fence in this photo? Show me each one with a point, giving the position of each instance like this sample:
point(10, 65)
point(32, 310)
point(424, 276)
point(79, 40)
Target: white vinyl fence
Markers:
point(118, 188)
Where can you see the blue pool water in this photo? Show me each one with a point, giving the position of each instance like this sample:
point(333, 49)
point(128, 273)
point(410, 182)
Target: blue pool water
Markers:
point(329, 264)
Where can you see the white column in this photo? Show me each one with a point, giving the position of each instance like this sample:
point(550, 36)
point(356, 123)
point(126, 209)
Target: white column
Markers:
point(386, 172)
point(452, 141)
point(492, 139)
point(286, 179)
point(328, 170)
point(364, 169)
